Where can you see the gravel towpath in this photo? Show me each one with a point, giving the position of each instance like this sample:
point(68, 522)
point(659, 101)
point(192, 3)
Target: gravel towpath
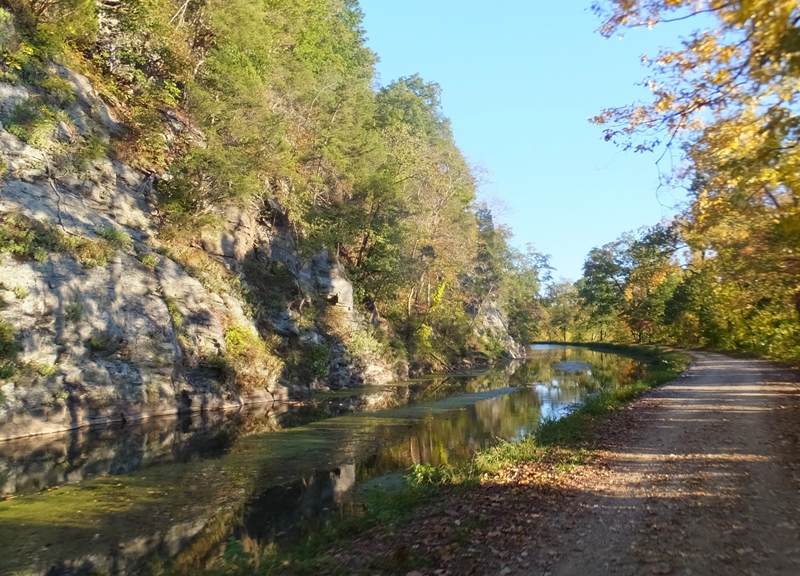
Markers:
point(700, 476)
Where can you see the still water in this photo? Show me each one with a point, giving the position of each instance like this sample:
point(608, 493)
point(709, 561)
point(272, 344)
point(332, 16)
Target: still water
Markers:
point(172, 491)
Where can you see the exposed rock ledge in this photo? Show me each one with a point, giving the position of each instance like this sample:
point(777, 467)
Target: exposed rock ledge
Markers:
point(100, 344)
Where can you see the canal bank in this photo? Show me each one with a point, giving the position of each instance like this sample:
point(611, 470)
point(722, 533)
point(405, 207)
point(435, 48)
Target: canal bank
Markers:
point(273, 488)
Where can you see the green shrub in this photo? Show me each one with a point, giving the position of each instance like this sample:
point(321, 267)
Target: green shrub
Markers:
point(362, 343)
point(19, 292)
point(316, 358)
point(7, 370)
point(150, 260)
point(92, 148)
point(32, 122)
point(251, 358)
point(114, 236)
point(492, 347)
point(21, 236)
point(58, 89)
point(239, 341)
point(9, 347)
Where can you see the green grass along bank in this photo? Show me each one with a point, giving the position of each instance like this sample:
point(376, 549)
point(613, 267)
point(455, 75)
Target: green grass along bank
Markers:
point(561, 444)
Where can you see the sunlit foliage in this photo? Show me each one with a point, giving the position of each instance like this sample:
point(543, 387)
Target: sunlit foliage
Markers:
point(272, 106)
point(727, 97)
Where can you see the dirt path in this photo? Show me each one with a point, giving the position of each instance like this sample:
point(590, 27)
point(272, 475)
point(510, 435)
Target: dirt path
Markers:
point(700, 476)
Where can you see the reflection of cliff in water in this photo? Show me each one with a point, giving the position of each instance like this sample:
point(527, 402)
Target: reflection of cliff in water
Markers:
point(33, 464)
point(284, 512)
point(265, 476)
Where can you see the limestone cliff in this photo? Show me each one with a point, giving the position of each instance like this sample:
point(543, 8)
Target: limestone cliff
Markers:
point(101, 321)
point(490, 322)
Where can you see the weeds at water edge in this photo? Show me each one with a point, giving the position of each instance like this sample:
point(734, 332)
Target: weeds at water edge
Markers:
point(562, 444)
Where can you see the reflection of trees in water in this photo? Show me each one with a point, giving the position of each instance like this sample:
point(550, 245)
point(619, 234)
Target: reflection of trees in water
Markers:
point(287, 481)
point(34, 464)
point(607, 370)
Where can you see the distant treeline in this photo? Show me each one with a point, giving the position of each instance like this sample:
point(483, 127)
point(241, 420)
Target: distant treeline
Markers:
point(726, 273)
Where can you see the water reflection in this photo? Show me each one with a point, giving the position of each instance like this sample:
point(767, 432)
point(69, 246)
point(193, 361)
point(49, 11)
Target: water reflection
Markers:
point(280, 470)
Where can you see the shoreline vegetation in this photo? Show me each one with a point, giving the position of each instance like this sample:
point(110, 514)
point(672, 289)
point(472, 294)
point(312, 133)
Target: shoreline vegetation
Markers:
point(557, 445)
point(270, 163)
point(266, 218)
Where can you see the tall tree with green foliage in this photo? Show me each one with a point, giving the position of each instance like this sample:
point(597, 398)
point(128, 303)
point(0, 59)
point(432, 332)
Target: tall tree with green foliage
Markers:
point(727, 97)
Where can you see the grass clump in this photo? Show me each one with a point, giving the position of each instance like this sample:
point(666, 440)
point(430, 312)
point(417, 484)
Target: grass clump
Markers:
point(250, 358)
point(89, 253)
point(174, 312)
point(39, 368)
point(58, 90)
point(30, 239)
point(150, 260)
point(31, 121)
point(152, 394)
point(114, 236)
point(19, 292)
point(177, 321)
point(73, 311)
point(25, 238)
point(99, 342)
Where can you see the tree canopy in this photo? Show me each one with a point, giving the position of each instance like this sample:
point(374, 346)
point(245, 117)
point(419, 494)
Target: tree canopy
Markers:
point(282, 111)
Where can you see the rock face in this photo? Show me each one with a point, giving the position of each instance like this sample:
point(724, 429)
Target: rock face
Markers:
point(493, 324)
point(132, 337)
point(262, 234)
point(134, 334)
point(100, 344)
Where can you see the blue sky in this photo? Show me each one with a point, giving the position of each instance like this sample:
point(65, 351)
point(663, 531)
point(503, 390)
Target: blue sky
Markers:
point(520, 79)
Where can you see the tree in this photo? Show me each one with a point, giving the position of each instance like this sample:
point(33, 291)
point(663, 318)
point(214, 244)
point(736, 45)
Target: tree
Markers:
point(631, 279)
point(727, 98)
point(563, 303)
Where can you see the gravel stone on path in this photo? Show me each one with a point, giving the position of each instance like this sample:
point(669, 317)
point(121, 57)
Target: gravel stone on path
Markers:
point(700, 476)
